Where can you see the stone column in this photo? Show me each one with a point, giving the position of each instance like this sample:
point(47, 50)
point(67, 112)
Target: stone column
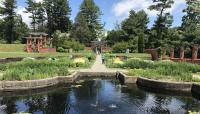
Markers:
point(182, 53)
point(171, 53)
point(195, 52)
point(38, 45)
point(45, 40)
point(30, 45)
point(164, 54)
point(154, 54)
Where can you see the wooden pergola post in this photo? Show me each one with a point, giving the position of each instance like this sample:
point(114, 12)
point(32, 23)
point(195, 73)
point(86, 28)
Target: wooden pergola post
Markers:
point(195, 50)
point(171, 53)
point(182, 53)
point(164, 54)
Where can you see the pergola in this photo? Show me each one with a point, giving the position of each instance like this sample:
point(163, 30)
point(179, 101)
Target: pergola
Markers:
point(36, 42)
point(98, 45)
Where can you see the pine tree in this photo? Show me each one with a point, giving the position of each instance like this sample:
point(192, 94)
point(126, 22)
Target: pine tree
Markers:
point(80, 30)
point(8, 11)
point(58, 12)
point(32, 8)
point(40, 17)
point(89, 16)
point(161, 24)
point(136, 27)
point(191, 22)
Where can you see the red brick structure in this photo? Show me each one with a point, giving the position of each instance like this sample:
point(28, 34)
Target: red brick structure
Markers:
point(154, 53)
point(194, 58)
point(36, 42)
point(164, 52)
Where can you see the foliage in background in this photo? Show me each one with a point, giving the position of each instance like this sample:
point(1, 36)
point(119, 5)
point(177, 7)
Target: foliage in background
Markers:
point(58, 12)
point(37, 12)
point(62, 41)
point(191, 24)
point(161, 24)
point(132, 30)
point(120, 47)
point(87, 23)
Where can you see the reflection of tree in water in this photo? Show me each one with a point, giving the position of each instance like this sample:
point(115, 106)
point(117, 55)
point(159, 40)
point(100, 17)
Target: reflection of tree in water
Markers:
point(53, 103)
point(36, 103)
point(138, 96)
point(87, 91)
point(189, 104)
point(160, 105)
point(57, 103)
point(10, 103)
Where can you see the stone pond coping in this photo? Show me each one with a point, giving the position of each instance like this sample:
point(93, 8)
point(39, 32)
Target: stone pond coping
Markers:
point(10, 86)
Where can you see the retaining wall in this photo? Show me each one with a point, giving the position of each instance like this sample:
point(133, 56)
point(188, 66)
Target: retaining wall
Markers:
point(164, 85)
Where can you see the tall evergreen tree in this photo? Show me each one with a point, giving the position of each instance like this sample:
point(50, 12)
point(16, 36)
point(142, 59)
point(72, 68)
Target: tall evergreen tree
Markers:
point(8, 11)
point(191, 22)
point(20, 28)
point(160, 24)
point(58, 12)
point(89, 16)
point(136, 27)
point(40, 17)
point(32, 9)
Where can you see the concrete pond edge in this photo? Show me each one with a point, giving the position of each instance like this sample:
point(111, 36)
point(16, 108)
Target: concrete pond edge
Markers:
point(12, 86)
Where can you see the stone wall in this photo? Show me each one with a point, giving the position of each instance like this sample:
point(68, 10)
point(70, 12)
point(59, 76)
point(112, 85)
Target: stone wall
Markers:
point(164, 85)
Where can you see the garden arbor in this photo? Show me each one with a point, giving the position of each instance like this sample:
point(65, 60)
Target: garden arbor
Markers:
point(98, 46)
point(37, 42)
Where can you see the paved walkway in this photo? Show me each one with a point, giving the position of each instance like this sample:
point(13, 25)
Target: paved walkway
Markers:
point(99, 67)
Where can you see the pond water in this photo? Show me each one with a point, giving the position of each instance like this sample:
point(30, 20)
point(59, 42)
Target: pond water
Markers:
point(99, 97)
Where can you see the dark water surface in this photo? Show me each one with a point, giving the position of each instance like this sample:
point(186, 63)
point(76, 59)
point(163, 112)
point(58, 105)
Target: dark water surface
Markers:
point(99, 97)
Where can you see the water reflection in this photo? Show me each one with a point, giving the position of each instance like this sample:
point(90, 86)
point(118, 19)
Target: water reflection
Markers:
point(99, 97)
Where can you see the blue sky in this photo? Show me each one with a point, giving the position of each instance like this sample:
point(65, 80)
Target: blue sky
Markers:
point(116, 10)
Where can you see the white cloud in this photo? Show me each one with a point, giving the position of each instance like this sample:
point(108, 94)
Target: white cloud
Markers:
point(25, 16)
point(38, 1)
point(122, 8)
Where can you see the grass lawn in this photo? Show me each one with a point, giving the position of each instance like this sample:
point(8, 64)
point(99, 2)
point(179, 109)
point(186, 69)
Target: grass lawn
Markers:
point(17, 50)
point(12, 47)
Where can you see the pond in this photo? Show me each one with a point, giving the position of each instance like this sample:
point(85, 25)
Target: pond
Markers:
point(98, 97)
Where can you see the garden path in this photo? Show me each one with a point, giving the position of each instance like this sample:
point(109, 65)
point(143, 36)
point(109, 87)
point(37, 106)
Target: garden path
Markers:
point(99, 67)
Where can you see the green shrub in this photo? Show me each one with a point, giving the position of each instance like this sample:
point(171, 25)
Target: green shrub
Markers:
point(120, 47)
point(60, 49)
point(63, 40)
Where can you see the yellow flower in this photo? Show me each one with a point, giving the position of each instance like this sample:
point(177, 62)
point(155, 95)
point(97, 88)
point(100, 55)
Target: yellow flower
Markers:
point(79, 60)
point(118, 61)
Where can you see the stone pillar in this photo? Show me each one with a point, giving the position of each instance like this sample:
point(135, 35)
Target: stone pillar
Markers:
point(30, 45)
point(195, 52)
point(164, 54)
point(38, 45)
point(182, 53)
point(154, 54)
point(45, 40)
point(171, 53)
